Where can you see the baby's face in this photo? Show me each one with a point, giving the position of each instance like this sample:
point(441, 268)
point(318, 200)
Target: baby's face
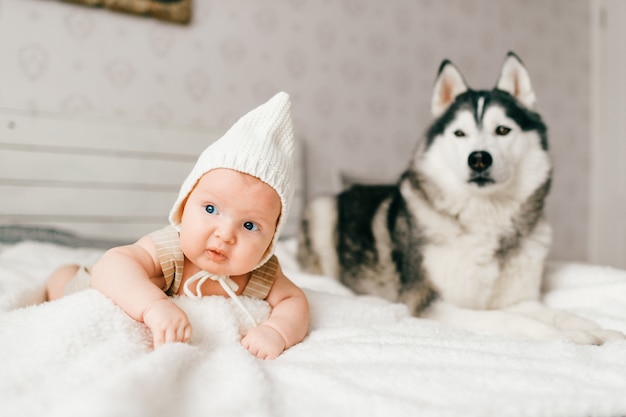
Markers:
point(228, 222)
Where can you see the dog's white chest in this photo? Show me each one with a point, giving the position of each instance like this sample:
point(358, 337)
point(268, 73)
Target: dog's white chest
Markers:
point(463, 262)
point(463, 271)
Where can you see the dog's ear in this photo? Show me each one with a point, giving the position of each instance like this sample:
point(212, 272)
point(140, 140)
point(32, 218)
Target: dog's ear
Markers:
point(449, 84)
point(514, 80)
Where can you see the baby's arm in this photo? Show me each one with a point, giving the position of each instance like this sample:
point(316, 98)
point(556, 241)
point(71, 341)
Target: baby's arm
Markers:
point(127, 275)
point(287, 324)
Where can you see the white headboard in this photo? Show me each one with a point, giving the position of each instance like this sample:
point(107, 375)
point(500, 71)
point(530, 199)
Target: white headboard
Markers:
point(99, 179)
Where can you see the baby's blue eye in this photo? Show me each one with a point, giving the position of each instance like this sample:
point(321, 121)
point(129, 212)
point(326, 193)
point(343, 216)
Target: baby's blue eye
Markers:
point(211, 209)
point(251, 226)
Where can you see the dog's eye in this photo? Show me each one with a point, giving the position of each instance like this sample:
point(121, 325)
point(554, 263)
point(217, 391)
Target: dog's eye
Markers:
point(502, 130)
point(459, 133)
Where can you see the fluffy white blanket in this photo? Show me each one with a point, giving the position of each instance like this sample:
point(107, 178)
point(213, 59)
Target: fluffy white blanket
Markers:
point(82, 356)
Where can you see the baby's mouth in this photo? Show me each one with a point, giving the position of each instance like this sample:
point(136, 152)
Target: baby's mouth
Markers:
point(216, 254)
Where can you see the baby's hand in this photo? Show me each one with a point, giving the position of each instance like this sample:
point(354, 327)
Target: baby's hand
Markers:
point(264, 342)
point(168, 322)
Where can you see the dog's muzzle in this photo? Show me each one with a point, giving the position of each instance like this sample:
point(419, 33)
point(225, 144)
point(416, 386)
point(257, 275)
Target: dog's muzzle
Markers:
point(480, 162)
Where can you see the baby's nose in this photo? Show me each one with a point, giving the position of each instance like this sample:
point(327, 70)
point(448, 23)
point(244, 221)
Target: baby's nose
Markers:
point(225, 233)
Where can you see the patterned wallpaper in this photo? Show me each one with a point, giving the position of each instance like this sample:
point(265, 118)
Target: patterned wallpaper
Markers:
point(360, 73)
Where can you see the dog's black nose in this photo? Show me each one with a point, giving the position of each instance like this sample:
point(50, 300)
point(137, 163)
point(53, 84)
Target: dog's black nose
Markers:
point(479, 161)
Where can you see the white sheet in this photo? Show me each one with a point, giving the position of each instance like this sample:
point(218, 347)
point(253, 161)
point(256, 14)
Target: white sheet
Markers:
point(82, 356)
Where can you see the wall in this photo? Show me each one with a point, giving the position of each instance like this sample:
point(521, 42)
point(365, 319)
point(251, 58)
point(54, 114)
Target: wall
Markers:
point(607, 237)
point(360, 73)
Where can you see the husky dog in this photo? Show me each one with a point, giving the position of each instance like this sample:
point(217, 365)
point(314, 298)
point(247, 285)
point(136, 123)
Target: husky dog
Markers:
point(461, 237)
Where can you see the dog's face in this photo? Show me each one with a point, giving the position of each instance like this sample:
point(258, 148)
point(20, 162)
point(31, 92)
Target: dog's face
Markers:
point(485, 142)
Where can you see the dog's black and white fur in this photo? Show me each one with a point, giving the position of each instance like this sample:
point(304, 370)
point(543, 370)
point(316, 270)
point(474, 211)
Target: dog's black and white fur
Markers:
point(462, 236)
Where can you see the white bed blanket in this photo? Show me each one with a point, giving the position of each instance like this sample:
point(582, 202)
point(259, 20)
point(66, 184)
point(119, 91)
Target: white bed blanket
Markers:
point(82, 356)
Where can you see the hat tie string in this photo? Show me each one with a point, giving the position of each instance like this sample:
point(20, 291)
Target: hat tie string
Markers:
point(227, 284)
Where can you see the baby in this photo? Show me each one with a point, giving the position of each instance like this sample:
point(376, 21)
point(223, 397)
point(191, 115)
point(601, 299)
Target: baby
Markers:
point(222, 234)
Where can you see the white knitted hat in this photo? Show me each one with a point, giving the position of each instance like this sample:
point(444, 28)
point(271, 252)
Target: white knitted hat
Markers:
point(259, 144)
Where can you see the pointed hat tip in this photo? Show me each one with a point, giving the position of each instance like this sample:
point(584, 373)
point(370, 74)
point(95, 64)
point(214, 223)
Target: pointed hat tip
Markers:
point(281, 97)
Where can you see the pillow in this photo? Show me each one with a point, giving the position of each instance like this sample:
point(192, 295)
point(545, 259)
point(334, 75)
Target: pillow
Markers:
point(15, 233)
point(348, 180)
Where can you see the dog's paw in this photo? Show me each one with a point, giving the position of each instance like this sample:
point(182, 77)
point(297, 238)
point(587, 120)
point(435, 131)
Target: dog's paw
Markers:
point(608, 335)
point(593, 337)
point(582, 337)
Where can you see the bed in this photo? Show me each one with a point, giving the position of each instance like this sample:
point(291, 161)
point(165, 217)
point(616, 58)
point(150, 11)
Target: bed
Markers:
point(82, 356)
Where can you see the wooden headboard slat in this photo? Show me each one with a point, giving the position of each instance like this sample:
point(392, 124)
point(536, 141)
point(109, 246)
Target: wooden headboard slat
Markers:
point(95, 169)
point(95, 178)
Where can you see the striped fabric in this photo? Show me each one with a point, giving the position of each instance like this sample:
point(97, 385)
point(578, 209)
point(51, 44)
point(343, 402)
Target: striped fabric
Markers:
point(172, 260)
point(262, 278)
point(170, 256)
